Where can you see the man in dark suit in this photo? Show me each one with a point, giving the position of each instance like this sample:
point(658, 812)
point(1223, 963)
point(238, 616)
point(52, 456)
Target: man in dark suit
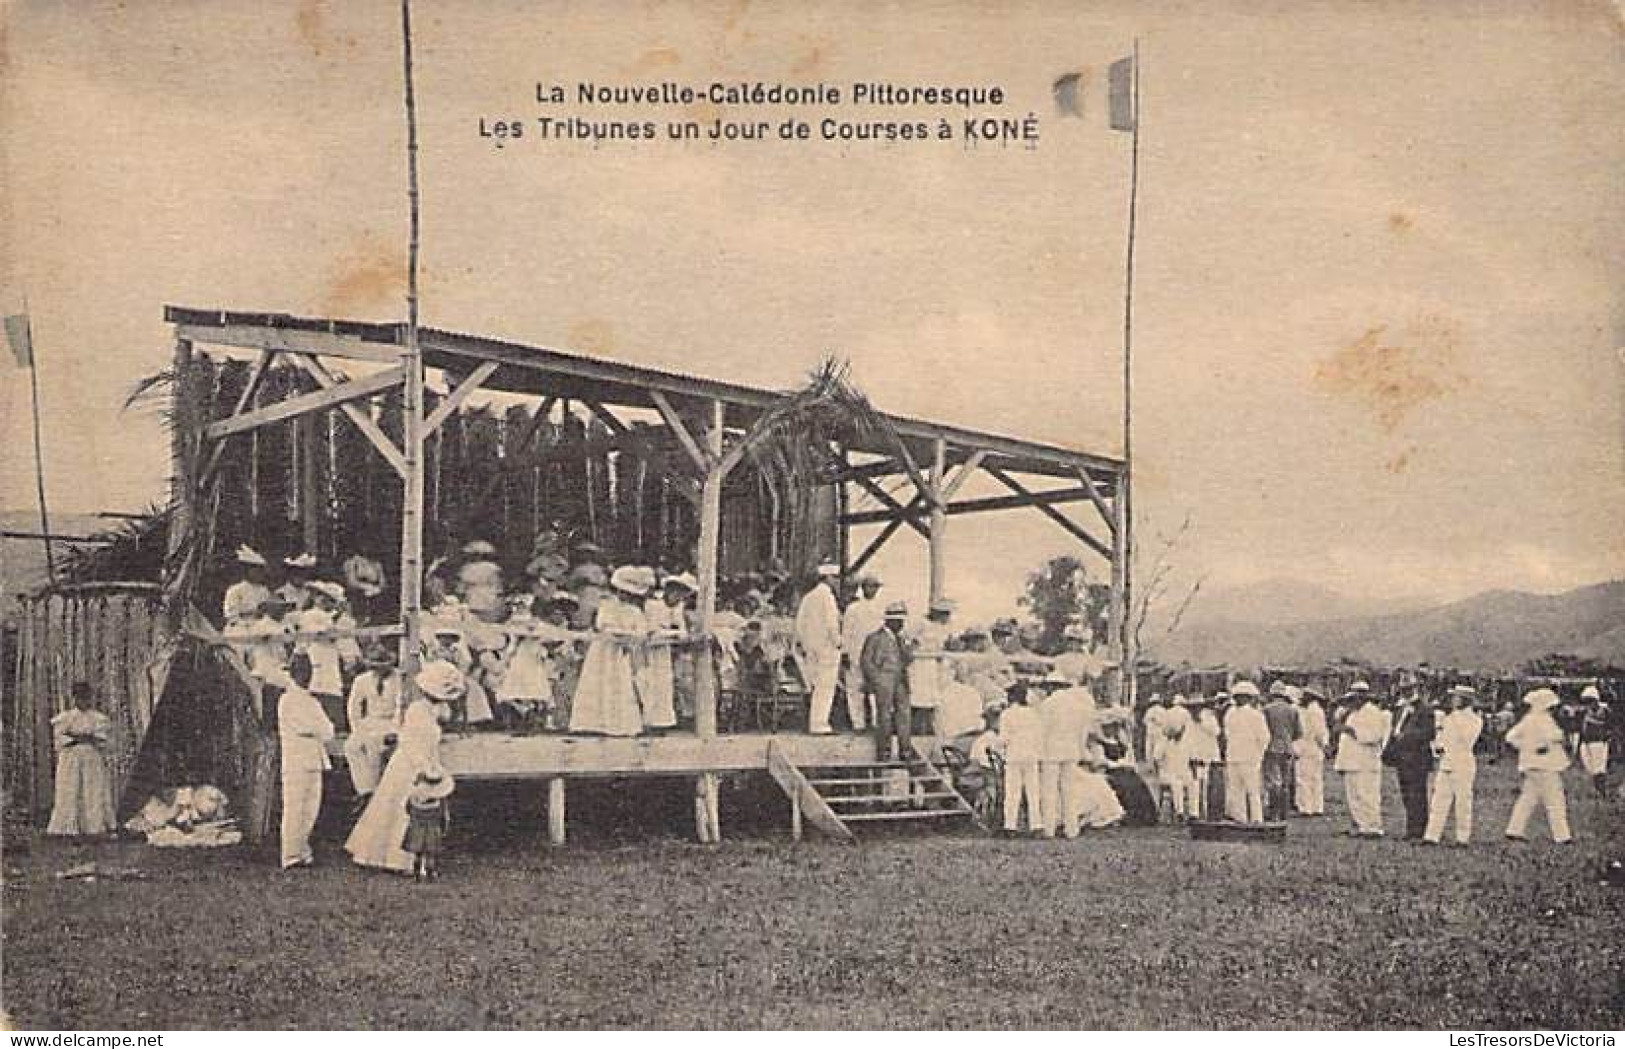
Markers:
point(1410, 752)
point(1281, 715)
point(884, 663)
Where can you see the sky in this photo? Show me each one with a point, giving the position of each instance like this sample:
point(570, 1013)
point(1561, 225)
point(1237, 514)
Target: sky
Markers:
point(1379, 309)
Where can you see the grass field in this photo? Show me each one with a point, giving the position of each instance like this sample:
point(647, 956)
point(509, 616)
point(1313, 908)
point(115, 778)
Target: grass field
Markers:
point(635, 928)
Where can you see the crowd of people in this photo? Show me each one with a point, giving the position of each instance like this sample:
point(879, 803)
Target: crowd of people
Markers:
point(1273, 749)
point(1043, 742)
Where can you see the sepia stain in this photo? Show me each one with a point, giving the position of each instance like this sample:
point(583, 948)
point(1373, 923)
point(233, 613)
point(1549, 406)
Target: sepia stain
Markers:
point(654, 59)
point(1393, 376)
point(1398, 463)
point(811, 64)
point(368, 280)
point(310, 22)
point(736, 13)
point(702, 111)
point(1400, 222)
point(592, 336)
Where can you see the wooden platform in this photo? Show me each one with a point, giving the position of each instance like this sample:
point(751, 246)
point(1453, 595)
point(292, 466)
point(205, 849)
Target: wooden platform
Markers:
point(497, 755)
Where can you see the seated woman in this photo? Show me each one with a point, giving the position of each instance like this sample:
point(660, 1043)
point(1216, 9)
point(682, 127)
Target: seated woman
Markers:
point(1097, 802)
point(1139, 806)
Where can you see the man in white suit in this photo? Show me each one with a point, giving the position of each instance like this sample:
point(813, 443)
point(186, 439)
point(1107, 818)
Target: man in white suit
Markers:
point(1457, 770)
point(1065, 716)
point(1311, 753)
point(1246, 736)
point(818, 635)
point(1359, 758)
point(305, 731)
point(862, 617)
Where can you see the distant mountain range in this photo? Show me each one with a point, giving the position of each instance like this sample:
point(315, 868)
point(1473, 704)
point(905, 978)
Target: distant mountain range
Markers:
point(1288, 623)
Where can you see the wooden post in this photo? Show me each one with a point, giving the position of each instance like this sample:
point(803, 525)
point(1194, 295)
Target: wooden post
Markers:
point(1120, 628)
point(702, 810)
point(705, 682)
point(713, 818)
point(795, 817)
point(555, 810)
point(939, 521)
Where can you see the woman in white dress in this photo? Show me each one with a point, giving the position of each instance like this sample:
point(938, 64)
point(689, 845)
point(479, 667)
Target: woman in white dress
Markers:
point(83, 802)
point(606, 696)
point(375, 841)
point(656, 682)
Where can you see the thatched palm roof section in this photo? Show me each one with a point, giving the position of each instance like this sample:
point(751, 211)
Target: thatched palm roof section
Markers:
point(541, 370)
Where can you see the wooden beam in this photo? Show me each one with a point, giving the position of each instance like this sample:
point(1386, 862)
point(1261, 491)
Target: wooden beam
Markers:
point(1106, 512)
point(701, 461)
point(908, 513)
point(606, 416)
point(874, 546)
point(362, 420)
point(970, 466)
point(986, 504)
point(332, 395)
point(1053, 514)
point(882, 468)
point(455, 398)
point(291, 340)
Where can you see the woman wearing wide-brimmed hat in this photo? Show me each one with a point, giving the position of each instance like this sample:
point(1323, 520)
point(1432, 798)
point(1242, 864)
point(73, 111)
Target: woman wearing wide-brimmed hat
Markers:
point(667, 619)
point(606, 698)
point(376, 838)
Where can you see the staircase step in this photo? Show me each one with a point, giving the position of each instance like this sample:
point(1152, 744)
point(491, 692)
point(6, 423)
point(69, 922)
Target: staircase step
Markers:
point(901, 799)
point(911, 814)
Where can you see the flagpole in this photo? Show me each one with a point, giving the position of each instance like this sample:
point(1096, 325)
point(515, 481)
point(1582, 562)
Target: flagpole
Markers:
point(412, 389)
point(1130, 655)
point(39, 447)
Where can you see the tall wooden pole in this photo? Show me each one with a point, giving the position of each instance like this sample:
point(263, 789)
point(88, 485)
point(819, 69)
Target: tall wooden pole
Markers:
point(412, 389)
point(939, 522)
point(1125, 507)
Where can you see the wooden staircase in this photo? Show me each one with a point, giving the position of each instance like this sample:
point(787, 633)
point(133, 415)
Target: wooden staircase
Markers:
point(883, 792)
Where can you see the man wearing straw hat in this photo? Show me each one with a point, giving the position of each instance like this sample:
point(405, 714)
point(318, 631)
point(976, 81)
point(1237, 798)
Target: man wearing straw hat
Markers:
point(1246, 735)
point(818, 635)
point(1310, 767)
point(861, 618)
point(1595, 727)
point(1538, 739)
point(885, 674)
point(1361, 739)
point(1453, 744)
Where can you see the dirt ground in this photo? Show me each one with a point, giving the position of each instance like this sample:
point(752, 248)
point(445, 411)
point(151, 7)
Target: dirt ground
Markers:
point(632, 926)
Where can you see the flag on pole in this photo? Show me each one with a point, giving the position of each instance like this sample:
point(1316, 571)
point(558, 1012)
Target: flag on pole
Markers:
point(22, 344)
point(1120, 93)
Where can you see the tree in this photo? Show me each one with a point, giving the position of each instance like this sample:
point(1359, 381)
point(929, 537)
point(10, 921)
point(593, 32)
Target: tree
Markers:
point(1059, 594)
